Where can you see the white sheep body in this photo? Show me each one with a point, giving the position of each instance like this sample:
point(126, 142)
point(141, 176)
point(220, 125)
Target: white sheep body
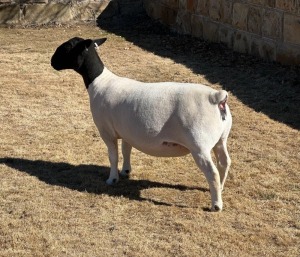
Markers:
point(159, 119)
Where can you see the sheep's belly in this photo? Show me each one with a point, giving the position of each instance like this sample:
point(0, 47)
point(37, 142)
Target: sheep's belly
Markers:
point(165, 149)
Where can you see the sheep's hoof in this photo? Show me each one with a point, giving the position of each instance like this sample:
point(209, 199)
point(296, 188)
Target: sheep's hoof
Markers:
point(216, 208)
point(125, 173)
point(112, 182)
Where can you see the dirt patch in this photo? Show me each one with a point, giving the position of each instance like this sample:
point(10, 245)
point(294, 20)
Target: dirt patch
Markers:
point(53, 165)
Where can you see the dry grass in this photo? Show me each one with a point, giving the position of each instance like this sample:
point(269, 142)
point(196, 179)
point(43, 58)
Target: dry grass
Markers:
point(54, 201)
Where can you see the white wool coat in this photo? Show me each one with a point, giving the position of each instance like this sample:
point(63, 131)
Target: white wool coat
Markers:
point(160, 119)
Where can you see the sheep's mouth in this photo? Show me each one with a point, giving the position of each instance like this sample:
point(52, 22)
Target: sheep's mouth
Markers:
point(55, 64)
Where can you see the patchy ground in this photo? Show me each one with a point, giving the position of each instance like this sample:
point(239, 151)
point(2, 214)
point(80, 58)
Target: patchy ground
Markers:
point(53, 165)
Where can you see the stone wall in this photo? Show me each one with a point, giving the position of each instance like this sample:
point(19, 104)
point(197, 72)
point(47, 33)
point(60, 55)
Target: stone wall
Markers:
point(30, 12)
point(266, 28)
point(49, 11)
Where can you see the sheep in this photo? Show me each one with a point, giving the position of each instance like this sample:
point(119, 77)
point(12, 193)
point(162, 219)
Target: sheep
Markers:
point(165, 119)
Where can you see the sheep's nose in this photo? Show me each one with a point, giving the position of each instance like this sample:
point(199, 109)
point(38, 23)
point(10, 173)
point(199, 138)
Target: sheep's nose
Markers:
point(54, 63)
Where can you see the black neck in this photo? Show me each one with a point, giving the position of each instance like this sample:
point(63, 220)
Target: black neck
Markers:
point(91, 67)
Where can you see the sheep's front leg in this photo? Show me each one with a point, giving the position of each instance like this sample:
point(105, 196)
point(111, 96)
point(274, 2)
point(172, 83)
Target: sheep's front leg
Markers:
point(205, 163)
point(112, 147)
point(126, 151)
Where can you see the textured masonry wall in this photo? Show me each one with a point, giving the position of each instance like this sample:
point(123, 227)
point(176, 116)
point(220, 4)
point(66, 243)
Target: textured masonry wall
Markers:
point(48, 11)
point(266, 28)
point(63, 11)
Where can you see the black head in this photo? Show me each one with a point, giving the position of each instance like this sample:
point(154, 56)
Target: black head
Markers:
point(72, 53)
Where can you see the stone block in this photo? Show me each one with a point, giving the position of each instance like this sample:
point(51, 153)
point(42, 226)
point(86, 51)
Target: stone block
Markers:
point(226, 11)
point(272, 24)
point(47, 13)
point(33, 1)
point(87, 11)
point(182, 4)
point(239, 16)
point(191, 5)
point(153, 9)
point(214, 9)
point(269, 3)
point(197, 26)
point(203, 7)
point(241, 42)
point(288, 5)
point(268, 50)
point(183, 22)
point(210, 30)
point(226, 36)
point(263, 48)
point(255, 18)
point(291, 28)
point(173, 4)
point(255, 46)
point(288, 54)
point(168, 15)
point(10, 14)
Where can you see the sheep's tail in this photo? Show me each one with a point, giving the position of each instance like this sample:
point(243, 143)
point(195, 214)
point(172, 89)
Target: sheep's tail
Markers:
point(220, 98)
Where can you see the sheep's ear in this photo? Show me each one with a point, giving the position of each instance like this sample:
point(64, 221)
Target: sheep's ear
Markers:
point(99, 41)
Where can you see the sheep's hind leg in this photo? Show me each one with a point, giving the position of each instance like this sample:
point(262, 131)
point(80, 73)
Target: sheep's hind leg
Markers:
point(205, 163)
point(112, 147)
point(126, 151)
point(223, 160)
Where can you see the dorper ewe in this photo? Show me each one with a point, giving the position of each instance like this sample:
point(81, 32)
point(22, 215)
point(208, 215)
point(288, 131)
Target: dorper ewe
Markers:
point(161, 119)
